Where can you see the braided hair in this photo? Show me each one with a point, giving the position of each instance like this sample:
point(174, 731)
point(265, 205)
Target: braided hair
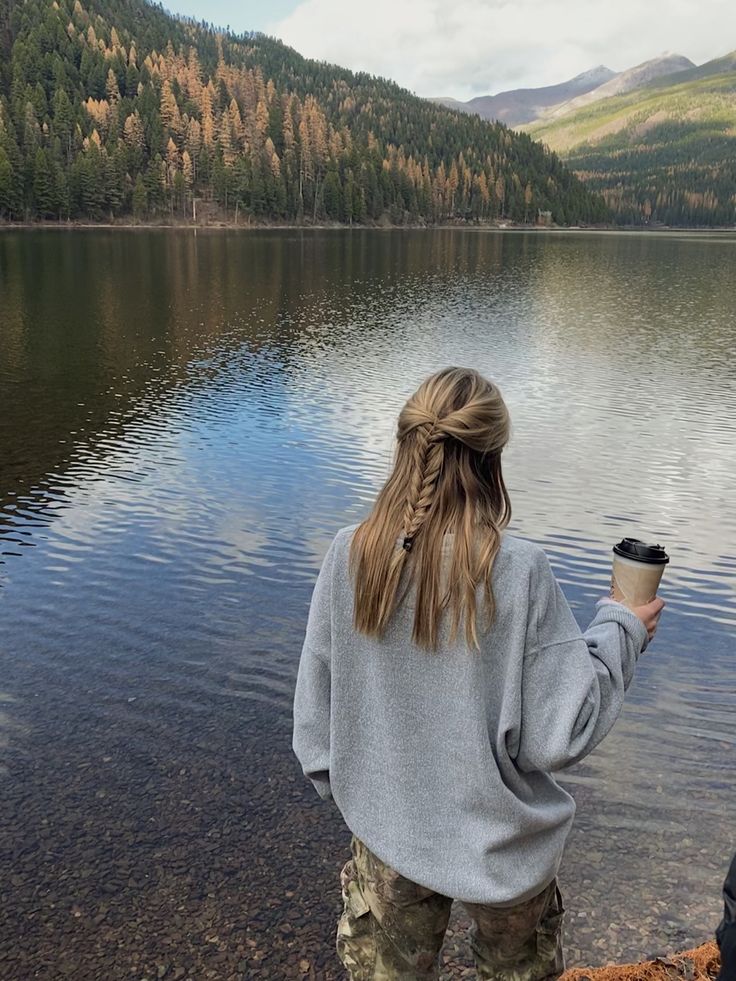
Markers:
point(446, 480)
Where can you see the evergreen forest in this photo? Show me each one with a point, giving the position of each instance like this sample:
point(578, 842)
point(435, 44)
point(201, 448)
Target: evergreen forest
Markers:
point(117, 110)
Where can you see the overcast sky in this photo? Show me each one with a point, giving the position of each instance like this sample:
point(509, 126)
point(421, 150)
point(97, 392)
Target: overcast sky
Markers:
point(463, 48)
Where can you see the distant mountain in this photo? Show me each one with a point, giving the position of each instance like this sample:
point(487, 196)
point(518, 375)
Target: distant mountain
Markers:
point(665, 151)
point(633, 78)
point(717, 66)
point(450, 103)
point(519, 106)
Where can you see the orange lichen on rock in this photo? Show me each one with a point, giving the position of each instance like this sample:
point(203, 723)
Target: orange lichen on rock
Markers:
point(700, 964)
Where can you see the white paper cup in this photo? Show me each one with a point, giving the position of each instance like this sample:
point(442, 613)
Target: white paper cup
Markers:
point(637, 571)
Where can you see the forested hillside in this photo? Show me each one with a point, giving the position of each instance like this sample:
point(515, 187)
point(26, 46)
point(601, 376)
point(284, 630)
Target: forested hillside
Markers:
point(663, 153)
point(112, 108)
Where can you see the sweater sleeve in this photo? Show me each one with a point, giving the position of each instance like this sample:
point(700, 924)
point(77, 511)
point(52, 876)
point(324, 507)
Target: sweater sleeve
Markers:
point(573, 683)
point(311, 740)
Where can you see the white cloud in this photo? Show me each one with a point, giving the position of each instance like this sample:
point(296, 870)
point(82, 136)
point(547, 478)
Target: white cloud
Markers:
point(476, 47)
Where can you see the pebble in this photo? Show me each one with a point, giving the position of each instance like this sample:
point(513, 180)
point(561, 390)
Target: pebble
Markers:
point(242, 881)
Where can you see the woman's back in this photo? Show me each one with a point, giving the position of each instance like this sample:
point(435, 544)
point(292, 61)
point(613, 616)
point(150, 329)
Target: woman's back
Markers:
point(440, 761)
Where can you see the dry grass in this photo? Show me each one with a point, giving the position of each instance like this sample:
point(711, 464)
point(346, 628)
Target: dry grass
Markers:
point(700, 964)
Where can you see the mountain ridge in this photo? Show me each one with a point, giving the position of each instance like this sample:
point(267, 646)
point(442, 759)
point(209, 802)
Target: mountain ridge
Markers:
point(523, 107)
point(515, 106)
point(626, 81)
point(663, 152)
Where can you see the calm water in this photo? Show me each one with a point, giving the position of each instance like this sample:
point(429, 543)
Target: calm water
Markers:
point(185, 420)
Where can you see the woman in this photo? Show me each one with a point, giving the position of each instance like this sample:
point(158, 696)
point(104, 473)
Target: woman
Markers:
point(442, 682)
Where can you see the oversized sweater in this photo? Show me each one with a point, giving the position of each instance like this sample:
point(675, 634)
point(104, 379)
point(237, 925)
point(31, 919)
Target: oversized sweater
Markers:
point(442, 762)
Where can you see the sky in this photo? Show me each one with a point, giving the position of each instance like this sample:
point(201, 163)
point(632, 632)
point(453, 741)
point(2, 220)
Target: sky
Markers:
point(464, 48)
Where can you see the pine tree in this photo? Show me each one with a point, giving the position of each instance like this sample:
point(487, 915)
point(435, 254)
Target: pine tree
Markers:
point(114, 175)
point(332, 196)
point(63, 122)
point(89, 182)
point(258, 199)
point(348, 214)
point(7, 186)
point(154, 180)
point(179, 190)
point(140, 198)
point(240, 183)
point(44, 189)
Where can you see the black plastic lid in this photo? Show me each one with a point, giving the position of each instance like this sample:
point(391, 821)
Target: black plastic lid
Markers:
point(632, 548)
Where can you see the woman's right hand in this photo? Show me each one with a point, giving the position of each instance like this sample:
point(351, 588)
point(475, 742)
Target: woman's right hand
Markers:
point(649, 614)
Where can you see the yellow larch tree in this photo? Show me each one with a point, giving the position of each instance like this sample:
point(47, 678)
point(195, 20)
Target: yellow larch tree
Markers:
point(133, 132)
point(207, 115)
point(187, 168)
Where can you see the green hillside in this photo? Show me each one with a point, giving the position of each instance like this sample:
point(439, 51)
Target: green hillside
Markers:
point(662, 153)
point(111, 108)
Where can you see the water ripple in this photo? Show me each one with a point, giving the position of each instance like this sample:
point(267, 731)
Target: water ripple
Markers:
point(172, 476)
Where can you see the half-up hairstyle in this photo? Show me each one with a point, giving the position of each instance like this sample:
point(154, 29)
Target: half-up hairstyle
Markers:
point(446, 479)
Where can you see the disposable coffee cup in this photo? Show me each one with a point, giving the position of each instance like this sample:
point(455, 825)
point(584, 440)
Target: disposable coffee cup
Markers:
point(637, 571)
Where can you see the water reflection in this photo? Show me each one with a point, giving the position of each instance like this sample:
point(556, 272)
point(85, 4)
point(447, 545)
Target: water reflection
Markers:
point(186, 419)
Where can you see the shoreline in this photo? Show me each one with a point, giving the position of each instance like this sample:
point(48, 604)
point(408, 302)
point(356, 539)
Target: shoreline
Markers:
point(337, 226)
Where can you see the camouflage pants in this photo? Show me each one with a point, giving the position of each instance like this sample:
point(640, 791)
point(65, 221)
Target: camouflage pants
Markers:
point(392, 929)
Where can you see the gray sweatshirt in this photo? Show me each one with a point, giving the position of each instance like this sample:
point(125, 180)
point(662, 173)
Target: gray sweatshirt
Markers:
point(441, 762)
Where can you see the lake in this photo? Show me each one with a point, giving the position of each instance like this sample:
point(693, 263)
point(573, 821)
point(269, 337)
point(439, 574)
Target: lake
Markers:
point(186, 418)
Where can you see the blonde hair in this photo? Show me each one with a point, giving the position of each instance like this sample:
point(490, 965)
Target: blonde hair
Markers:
point(446, 478)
